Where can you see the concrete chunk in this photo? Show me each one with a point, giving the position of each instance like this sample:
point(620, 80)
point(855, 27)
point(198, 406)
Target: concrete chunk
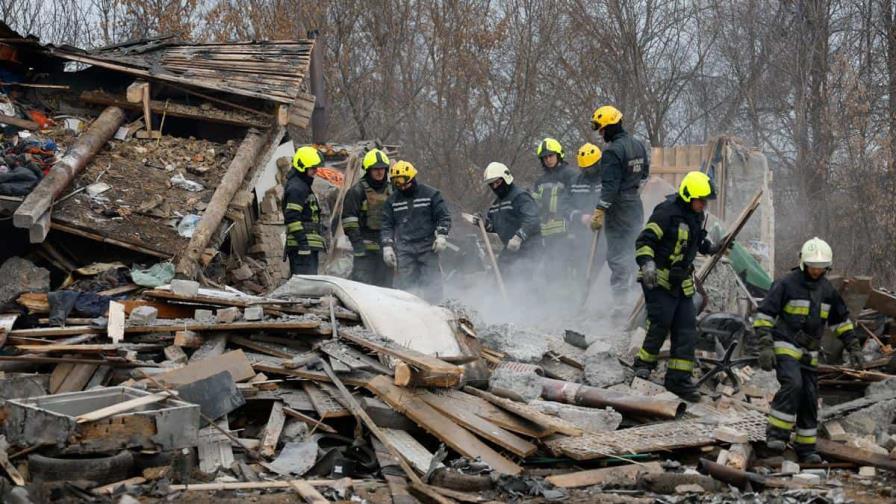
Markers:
point(227, 315)
point(807, 477)
point(587, 419)
point(867, 471)
point(204, 316)
point(790, 467)
point(516, 385)
point(254, 312)
point(602, 369)
point(143, 315)
point(185, 287)
point(175, 354)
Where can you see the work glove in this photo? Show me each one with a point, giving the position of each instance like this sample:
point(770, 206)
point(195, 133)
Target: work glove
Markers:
point(389, 257)
point(648, 275)
point(766, 352)
point(710, 248)
point(585, 219)
point(856, 357)
point(597, 220)
point(440, 244)
point(514, 244)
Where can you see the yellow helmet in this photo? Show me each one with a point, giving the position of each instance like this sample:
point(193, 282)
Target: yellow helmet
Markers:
point(375, 158)
point(696, 185)
point(550, 146)
point(588, 156)
point(402, 172)
point(306, 157)
point(605, 116)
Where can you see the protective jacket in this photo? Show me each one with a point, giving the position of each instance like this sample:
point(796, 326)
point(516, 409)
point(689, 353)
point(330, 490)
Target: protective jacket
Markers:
point(625, 164)
point(515, 213)
point(671, 238)
point(795, 311)
point(584, 193)
point(412, 218)
point(362, 214)
point(301, 213)
point(551, 191)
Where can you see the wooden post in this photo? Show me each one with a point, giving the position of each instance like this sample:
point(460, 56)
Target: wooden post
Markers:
point(64, 171)
point(246, 154)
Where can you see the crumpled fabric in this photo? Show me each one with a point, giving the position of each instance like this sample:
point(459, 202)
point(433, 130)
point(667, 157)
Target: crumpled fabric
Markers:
point(64, 302)
point(155, 276)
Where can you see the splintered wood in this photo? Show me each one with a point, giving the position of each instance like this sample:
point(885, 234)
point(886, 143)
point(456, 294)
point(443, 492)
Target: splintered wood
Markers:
point(655, 437)
point(424, 415)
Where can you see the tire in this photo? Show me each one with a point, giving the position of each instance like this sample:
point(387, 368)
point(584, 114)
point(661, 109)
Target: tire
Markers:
point(101, 470)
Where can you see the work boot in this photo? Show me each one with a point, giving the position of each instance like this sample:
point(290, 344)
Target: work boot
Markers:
point(680, 384)
point(775, 444)
point(810, 458)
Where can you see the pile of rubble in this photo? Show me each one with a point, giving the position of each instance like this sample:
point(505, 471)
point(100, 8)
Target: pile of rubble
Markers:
point(163, 392)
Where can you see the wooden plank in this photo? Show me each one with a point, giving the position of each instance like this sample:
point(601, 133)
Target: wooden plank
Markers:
point(97, 348)
point(260, 347)
point(121, 407)
point(6, 323)
point(19, 123)
point(234, 362)
point(416, 454)
point(77, 378)
point(488, 411)
point(57, 377)
point(621, 475)
point(307, 492)
point(352, 358)
point(434, 372)
point(458, 438)
point(254, 485)
point(115, 325)
point(398, 486)
point(859, 456)
point(527, 412)
point(214, 449)
point(311, 327)
point(478, 425)
point(272, 430)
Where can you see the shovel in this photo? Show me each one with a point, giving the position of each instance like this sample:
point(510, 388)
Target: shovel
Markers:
point(491, 254)
point(589, 272)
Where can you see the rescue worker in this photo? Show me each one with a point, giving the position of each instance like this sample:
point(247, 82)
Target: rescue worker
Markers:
point(551, 191)
point(414, 232)
point(625, 166)
point(789, 325)
point(362, 214)
point(513, 216)
point(583, 193)
point(665, 252)
point(301, 213)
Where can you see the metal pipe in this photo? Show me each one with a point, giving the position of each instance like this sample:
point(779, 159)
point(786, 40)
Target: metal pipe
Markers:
point(583, 395)
point(741, 479)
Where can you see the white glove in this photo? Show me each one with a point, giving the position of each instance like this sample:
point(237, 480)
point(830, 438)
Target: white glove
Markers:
point(440, 244)
point(389, 257)
point(514, 244)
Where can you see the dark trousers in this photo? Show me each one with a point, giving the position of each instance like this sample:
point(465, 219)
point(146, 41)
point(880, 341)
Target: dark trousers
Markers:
point(302, 264)
point(555, 258)
point(518, 268)
point(419, 274)
point(623, 222)
point(795, 404)
point(371, 269)
point(668, 313)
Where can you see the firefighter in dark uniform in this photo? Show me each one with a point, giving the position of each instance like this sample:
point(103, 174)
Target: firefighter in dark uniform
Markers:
point(625, 166)
point(789, 325)
point(414, 232)
point(584, 192)
point(551, 191)
point(665, 251)
point(362, 216)
point(514, 217)
point(301, 213)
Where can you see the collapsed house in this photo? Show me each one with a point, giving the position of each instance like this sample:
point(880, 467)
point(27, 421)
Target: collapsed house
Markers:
point(153, 344)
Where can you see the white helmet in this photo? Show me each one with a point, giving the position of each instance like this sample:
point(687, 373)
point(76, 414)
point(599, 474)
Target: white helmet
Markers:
point(494, 171)
point(816, 253)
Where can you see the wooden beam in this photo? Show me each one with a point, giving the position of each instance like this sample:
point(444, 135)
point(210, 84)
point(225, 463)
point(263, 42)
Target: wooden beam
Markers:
point(251, 146)
point(19, 123)
point(272, 430)
point(527, 412)
point(241, 119)
point(440, 426)
point(307, 492)
point(68, 167)
point(121, 407)
point(254, 485)
point(431, 371)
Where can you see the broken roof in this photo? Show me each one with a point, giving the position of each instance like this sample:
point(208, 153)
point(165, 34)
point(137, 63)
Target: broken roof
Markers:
point(273, 71)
